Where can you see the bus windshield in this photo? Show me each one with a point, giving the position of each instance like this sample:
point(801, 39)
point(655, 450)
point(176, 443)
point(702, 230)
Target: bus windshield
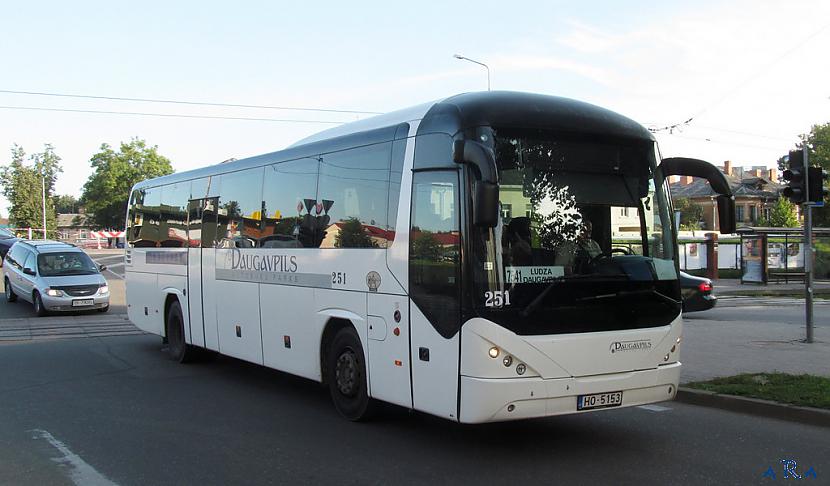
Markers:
point(584, 242)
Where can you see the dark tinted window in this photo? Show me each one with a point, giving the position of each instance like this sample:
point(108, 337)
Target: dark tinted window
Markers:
point(395, 175)
point(240, 209)
point(433, 151)
point(353, 197)
point(434, 252)
point(145, 231)
point(173, 228)
point(290, 195)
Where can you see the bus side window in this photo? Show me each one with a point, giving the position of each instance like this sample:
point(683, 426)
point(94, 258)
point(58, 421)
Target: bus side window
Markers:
point(240, 209)
point(434, 251)
point(353, 196)
point(147, 212)
point(287, 187)
point(173, 222)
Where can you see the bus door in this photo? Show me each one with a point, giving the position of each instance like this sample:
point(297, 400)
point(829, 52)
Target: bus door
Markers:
point(435, 292)
point(201, 271)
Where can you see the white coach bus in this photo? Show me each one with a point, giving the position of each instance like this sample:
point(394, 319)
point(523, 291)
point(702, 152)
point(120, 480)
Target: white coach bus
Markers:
point(455, 258)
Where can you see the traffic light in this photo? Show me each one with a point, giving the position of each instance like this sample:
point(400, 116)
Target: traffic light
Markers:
point(795, 190)
point(815, 179)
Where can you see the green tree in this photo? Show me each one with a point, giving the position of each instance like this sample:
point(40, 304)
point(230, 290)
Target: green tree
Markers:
point(107, 191)
point(782, 215)
point(23, 187)
point(65, 204)
point(690, 213)
point(352, 235)
point(426, 247)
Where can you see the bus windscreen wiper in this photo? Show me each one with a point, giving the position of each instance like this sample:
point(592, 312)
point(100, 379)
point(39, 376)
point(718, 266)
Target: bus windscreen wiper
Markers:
point(631, 293)
point(534, 304)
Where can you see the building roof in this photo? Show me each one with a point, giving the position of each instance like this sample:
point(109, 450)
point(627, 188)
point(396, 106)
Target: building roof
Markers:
point(67, 220)
point(747, 187)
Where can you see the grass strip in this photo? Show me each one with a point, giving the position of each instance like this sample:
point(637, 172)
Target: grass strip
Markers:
point(803, 390)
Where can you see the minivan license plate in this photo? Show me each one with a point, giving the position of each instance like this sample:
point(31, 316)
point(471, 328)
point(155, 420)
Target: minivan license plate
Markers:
point(82, 302)
point(599, 400)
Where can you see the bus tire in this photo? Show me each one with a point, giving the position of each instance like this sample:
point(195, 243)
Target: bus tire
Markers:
point(10, 295)
point(346, 378)
point(177, 348)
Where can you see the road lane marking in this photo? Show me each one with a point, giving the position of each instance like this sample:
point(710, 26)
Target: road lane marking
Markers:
point(654, 408)
point(80, 471)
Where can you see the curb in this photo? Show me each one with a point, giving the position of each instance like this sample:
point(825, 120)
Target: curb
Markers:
point(754, 406)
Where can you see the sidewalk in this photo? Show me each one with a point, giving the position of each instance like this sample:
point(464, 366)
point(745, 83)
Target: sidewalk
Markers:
point(729, 286)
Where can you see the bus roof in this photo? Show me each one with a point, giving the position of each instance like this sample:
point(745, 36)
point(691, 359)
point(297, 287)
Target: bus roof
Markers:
point(450, 115)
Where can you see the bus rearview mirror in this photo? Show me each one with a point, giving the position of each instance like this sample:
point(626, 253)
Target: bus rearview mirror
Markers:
point(726, 214)
point(486, 205)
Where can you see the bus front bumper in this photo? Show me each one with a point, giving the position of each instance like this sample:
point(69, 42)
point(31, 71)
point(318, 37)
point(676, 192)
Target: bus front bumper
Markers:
point(496, 400)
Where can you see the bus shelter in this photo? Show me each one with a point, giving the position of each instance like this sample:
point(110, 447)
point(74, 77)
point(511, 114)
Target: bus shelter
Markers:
point(777, 254)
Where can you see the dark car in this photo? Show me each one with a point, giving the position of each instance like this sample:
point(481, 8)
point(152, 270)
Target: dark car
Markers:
point(697, 293)
point(7, 239)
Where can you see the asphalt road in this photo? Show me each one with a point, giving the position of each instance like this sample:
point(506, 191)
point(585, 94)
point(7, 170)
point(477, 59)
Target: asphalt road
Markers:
point(117, 409)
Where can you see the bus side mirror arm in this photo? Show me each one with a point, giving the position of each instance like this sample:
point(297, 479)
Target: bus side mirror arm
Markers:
point(486, 189)
point(717, 180)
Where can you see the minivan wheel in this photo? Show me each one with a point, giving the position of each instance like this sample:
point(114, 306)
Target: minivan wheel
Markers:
point(40, 310)
point(10, 295)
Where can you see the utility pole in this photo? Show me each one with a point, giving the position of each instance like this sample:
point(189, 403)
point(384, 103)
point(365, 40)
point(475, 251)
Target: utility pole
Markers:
point(808, 249)
point(43, 199)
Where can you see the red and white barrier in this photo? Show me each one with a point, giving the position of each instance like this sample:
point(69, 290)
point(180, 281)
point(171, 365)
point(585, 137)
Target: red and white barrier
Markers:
point(106, 234)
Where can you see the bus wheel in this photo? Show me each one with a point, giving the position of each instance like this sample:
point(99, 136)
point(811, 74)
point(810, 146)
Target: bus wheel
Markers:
point(177, 348)
point(346, 376)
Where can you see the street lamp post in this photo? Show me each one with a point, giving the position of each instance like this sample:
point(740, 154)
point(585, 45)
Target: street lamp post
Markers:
point(43, 199)
point(459, 56)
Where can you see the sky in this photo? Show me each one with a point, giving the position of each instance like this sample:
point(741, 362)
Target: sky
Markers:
point(752, 76)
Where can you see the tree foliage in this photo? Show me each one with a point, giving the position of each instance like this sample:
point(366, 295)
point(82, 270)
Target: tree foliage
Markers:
point(23, 186)
point(425, 246)
point(352, 235)
point(107, 191)
point(66, 204)
point(782, 215)
point(818, 153)
point(690, 213)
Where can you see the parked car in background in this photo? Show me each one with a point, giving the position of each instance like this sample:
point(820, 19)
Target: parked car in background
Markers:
point(696, 293)
point(7, 239)
point(54, 276)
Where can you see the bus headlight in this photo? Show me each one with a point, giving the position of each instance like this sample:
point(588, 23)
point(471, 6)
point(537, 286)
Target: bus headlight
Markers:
point(494, 352)
point(507, 360)
point(521, 368)
point(54, 293)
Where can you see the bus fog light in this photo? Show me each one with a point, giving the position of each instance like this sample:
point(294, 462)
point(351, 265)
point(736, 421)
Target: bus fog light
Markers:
point(508, 360)
point(511, 407)
point(521, 368)
point(674, 348)
point(494, 352)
